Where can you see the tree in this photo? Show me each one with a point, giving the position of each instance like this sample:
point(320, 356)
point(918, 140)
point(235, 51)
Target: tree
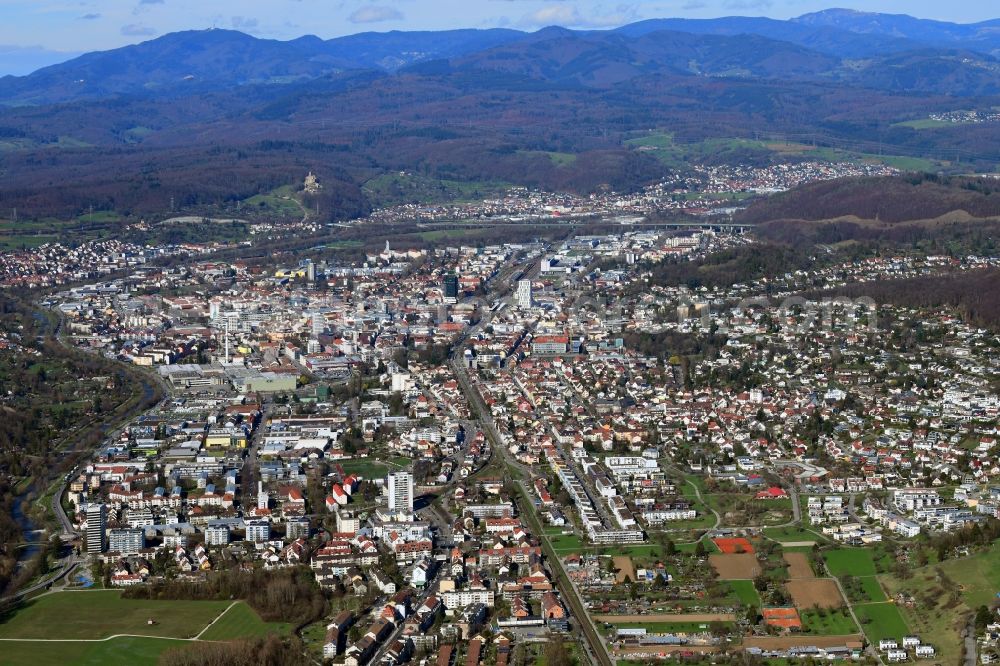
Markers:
point(556, 654)
point(699, 549)
point(902, 571)
point(983, 617)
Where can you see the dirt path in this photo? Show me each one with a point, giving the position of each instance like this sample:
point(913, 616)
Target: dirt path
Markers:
point(781, 642)
point(217, 618)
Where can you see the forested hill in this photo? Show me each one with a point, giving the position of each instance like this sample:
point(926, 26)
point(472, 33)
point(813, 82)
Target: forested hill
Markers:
point(973, 295)
point(200, 119)
point(899, 199)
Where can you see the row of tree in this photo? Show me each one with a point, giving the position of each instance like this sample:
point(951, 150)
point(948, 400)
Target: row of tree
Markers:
point(284, 595)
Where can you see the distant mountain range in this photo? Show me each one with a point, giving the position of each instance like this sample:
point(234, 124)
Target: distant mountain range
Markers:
point(892, 52)
point(207, 118)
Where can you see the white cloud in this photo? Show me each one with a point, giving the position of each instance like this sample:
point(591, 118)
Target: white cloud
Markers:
point(747, 4)
point(244, 23)
point(137, 30)
point(569, 16)
point(375, 14)
point(564, 15)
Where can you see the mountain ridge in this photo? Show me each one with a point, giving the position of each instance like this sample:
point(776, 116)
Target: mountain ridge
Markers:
point(199, 60)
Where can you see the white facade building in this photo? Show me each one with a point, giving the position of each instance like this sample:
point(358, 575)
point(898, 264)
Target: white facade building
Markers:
point(523, 294)
point(97, 520)
point(400, 492)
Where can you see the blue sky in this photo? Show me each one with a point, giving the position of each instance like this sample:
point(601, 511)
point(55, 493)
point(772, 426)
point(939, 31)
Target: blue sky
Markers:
point(38, 32)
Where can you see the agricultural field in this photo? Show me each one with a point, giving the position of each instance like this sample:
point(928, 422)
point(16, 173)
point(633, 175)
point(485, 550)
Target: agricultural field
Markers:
point(944, 594)
point(557, 158)
point(639, 551)
point(31, 233)
point(625, 567)
point(881, 620)
point(737, 566)
point(745, 592)
point(925, 123)
point(279, 203)
point(862, 589)
point(663, 146)
point(103, 613)
point(396, 188)
point(448, 234)
point(798, 565)
point(814, 592)
point(978, 577)
point(828, 622)
point(241, 621)
point(792, 534)
point(100, 627)
point(100, 217)
point(126, 650)
point(14, 241)
point(850, 562)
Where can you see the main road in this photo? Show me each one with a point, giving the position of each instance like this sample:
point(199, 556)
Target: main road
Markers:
point(596, 647)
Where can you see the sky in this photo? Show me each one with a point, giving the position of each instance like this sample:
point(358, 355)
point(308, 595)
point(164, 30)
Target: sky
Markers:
point(34, 33)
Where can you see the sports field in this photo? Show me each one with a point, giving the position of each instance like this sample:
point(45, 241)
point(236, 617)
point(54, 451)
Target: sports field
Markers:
point(733, 545)
point(367, 468)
